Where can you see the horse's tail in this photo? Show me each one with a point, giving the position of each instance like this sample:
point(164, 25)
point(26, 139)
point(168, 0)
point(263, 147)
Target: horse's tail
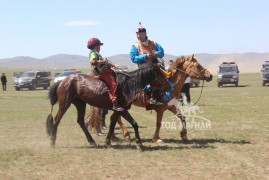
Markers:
point(94, 119)
point(49, 124)
point(53, 99)
point(53, 93)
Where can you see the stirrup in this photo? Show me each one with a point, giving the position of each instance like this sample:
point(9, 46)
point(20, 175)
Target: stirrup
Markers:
point(154, 101)
point(158, 103)
point(118, 108)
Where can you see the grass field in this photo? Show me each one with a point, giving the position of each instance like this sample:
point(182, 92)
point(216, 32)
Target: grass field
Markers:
point(236, 146)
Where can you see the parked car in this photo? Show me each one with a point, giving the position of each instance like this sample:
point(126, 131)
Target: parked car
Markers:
point(122, 68)
point(228, 74)
point(265, 73)
point(32, 80)
point(57, 74)
point(16, 75)
point(66, 73)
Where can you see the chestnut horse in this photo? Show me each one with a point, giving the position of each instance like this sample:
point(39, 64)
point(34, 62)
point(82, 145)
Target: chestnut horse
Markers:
point(180, 70)
point(81, 89)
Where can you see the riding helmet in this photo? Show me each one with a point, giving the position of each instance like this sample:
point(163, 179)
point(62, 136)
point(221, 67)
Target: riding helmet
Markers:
point(94, 42)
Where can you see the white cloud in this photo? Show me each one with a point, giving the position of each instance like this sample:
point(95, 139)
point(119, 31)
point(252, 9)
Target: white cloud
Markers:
point(82, 23)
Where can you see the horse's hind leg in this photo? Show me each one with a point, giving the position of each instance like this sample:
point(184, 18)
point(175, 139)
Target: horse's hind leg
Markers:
point(57, 121)
point(125, 132)
point(81, 108)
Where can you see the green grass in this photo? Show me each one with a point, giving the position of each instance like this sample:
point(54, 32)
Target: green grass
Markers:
point(236, 147)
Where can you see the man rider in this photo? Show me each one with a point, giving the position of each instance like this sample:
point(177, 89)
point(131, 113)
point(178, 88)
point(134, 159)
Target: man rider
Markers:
point(146, 51)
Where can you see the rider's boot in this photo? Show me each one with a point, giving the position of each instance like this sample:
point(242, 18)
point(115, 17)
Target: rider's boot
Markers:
point(154, 100)
point(116, 105)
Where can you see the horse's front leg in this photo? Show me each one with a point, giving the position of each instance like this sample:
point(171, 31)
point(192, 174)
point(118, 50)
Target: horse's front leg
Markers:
point(183, 132)
point(126, 115)
point(156, 137)
point(113, 119)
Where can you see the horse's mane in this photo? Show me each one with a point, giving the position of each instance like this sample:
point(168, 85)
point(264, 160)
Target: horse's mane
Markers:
point(134, 81)
point(178, 62)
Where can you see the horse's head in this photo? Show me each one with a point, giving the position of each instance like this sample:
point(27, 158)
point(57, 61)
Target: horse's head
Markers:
point(192, 67)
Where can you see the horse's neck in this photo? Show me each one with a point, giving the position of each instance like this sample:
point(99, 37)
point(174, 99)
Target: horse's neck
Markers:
point(178, 86)
point(139, 85)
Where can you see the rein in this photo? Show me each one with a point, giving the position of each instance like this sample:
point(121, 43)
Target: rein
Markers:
point(200, 93)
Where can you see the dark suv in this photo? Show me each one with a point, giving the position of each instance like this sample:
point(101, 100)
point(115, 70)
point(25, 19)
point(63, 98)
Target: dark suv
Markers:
point(228, 74)
point(33, 80)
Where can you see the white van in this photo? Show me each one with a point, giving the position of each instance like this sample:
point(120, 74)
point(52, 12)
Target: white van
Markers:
point(265, 73)
point(66, 73)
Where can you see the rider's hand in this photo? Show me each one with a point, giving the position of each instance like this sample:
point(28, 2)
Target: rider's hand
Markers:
point(105, 61)
point(156, 55)
point(149, 56)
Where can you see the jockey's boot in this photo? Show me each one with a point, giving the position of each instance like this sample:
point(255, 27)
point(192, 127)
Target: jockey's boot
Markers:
point(153, 99)
point(116, 105)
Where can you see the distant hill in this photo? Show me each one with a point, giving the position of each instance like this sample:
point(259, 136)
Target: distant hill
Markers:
point(247, 62)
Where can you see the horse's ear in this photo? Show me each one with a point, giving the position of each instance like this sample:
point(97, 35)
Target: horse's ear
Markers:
point(192, 56)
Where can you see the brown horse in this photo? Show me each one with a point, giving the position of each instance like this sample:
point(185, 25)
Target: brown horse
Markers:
point(181, 69)
point(81, 89)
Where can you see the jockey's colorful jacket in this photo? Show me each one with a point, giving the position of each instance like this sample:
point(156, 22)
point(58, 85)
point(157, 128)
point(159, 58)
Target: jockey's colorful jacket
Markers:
point(96, 60)
point(139, 51)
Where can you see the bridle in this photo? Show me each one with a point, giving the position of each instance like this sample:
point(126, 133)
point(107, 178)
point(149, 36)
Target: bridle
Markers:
point(191, 71)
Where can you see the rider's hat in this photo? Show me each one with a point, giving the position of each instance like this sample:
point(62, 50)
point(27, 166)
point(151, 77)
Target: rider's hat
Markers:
point(93, 42)
point(140, 28)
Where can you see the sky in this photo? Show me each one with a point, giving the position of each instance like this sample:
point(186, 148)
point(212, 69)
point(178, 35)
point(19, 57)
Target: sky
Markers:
point(45, 28)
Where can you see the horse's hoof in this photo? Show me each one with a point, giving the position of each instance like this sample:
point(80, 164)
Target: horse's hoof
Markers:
point(139, 147)
point(159, 141)
point(100, 134)
point(185, 140)
point(115, 139)
point(93, 144)
point(52, 144)
point(109, 147)
point(184, 137)
point(128, 138)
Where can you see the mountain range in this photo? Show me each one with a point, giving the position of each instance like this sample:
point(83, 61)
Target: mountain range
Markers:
point(248, 62)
